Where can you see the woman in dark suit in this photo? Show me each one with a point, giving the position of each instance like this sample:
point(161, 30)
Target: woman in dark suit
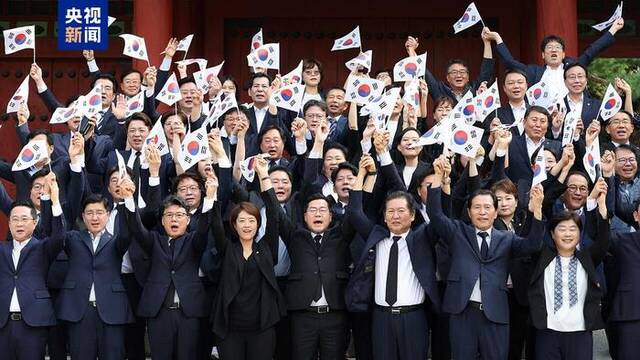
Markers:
point(564, 293)
point(249, 302)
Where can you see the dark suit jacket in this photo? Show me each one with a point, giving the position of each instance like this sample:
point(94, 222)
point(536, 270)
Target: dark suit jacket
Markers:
point(101, 268)
point(265, 251)
point(181, 268)
point(590, 257)
point(310, 266)
point(29, 278)
point(420, 241)
point(439, 88)
point(519, 160)
point(626, 249)
point(467, 266)
point(534, 71)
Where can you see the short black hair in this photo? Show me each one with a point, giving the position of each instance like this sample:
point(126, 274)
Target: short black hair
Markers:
point(40, 173)
point(115, 169)
point(564, 216)
point(35, 132)
point(258, 75)
point(313, 197)
point(173, 200)
point(25, 203)
point(551, 38)
point(380, 71)
point(281, 168)
point(129, 72)
point(578, 173)
point(318, 103)
point(186, 80)
point(400, 194)
point(342, 166)
point(483, 192)
point(572, 65)
point(105, 76)
point(269, 128)
point(95, 199)
point(187, 175)
point(139, 116)
point(335, 145)
point(538, 109)
point(626, 113)
point(452, 62)
point(336, 88)
point(626, 147)
point(515, 71)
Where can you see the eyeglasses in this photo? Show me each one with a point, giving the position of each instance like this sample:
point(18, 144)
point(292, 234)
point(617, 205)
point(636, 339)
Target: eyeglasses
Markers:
point(620, 122)
point(575, 189)
point(630, 160)
point(92, 213)
point(315, 116)
point(37, 187)
point(321, 210)
point(458, 72)
point(312, 72)
point(576, 77)
point(553, 47)
point(177, 216)
point(192, 188)
point(24, 219)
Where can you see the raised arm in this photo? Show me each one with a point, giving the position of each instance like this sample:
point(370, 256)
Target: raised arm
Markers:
point(354, 212)
point(55, 241)
point(532, 243)
point(199, 240)
point(602, 43)
point(136, 229)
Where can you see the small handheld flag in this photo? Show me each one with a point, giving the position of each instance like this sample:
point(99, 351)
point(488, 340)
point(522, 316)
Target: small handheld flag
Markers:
point(363, 90)
point(184, 44)
point(611, 103)
point(194, 148)
point(19, 38)
point(294, 76)
point(31, 153)
point(349, 41)
point(256, 40)
point(266, 56)
point(363, 59)
point(410, 67)
point(135, 104)
point(158, 139)
point(465, 109)
point(204, 77)
point(202, 63)
point(488, 101)
point(170, 92)
point(384, 105)
point(591, 160)
point(539, 168)
point(135, 47)
point(617, 14)
point(289, 97)
point(62, 115)
point(465, 139)
point(248, 168)
point(470, 17)
point(21, 96)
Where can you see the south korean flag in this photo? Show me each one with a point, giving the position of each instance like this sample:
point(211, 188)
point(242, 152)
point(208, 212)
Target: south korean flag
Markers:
point(170, 92)
point(465, 109)
point(194, 147)
point(465, 139)
point(289, 97)
point(363, 90)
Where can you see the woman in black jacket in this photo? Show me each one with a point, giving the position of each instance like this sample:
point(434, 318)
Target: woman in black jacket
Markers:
point(564, 293)
point(249, 302)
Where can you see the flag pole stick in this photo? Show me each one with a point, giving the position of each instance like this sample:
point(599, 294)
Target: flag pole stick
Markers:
point(34, 54)
point(482, 22)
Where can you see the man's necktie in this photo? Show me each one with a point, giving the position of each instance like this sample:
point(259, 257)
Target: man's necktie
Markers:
point(484, 248)
point(272, 163)
point(333, 124)
point(318, 295)
point(169, 300)
point(392, 273)
point(136, 173)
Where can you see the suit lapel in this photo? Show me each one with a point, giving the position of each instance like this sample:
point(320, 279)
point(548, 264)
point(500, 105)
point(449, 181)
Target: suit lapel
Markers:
point(6, 251)
point(86, 239)
point(496, 239)
point(473, 240)
point(104, 239)
point(25, 252)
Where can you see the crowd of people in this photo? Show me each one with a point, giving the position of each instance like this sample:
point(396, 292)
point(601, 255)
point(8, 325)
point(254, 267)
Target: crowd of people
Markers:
point(348, 232)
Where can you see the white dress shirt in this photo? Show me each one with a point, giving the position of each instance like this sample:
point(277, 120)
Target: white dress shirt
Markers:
point(410, 292)
point(476, 294)
point(407, 174)
point(518, 115)
point(532, 146)
point(566, 319)
point(555, 80)
point(14, 306)
point(260, 115)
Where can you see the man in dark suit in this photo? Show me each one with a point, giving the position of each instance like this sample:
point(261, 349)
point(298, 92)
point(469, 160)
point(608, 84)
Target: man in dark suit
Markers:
point(261, 113)
point(553, 55)
point(522, 148)
point(317, 281)
point(26, 309)
point(515, 87)
point(458, 82)
point(336, 105)
point(396, 273)
point(620, 127)
point(625, 315)
point(476, 295)
point(173, 299)
point(93, 299)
